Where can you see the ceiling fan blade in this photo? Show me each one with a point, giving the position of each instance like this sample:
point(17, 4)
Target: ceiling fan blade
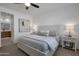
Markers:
point(34, 5)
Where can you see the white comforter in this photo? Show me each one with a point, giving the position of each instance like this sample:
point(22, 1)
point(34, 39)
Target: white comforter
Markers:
point(51, 41)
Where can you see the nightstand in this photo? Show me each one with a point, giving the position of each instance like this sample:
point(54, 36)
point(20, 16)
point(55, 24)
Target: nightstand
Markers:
point(70, 42)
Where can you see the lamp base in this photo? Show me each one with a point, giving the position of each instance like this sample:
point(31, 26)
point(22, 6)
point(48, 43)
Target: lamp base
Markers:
point(69, 35)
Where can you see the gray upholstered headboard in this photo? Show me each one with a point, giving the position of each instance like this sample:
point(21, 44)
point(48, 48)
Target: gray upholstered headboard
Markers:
point(56, 28)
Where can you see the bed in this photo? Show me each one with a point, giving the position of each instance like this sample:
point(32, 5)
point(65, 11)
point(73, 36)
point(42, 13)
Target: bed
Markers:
point(35, 45)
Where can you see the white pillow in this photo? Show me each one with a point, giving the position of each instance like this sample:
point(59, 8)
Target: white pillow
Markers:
point(42, 33)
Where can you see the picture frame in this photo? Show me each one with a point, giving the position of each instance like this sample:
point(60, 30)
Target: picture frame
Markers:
point(24, 25)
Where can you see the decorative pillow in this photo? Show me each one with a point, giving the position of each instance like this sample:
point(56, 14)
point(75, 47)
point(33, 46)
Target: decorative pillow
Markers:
point(34, 32)
point(52, 33)
point(42, 33)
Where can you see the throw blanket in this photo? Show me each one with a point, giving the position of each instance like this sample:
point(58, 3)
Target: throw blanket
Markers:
point(51, 41)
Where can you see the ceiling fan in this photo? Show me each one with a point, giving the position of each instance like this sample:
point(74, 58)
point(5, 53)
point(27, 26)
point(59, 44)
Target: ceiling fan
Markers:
point(27, 5)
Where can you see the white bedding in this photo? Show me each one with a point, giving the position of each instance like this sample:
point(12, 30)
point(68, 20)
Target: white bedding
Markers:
point(51, 41)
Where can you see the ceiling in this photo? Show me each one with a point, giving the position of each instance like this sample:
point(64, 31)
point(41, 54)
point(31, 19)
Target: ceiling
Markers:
point(44, 7)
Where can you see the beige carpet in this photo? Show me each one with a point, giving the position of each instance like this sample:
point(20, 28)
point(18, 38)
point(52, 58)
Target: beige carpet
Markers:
point(6, 41)
point(66, 52)
point(9, 49)
point(12, 50)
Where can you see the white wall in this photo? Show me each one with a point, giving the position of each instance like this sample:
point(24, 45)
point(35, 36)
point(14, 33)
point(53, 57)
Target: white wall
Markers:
point(67, 14)
point(17, 15)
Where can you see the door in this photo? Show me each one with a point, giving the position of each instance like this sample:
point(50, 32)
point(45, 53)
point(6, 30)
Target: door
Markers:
point(6, 28)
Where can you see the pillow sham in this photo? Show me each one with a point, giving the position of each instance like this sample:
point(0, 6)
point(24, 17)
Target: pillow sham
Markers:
point(53, 33)
point(42, 33)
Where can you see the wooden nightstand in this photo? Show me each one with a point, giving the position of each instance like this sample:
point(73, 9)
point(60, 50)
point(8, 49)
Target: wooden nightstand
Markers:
point(70, 42)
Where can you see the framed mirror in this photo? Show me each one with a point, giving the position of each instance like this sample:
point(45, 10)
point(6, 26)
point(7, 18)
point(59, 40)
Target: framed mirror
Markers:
point(24, 25)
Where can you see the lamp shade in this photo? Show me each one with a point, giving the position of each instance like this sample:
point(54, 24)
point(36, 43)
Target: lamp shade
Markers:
point(69, 27)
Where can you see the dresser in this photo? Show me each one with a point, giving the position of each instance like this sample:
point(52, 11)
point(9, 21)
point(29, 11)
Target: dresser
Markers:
point(5, 34)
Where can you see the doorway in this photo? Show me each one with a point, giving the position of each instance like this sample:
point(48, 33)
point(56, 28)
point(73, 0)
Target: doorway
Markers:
point(6, 28)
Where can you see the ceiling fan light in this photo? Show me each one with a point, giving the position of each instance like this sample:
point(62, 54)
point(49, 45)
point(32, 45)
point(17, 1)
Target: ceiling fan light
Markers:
point(27, 4)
